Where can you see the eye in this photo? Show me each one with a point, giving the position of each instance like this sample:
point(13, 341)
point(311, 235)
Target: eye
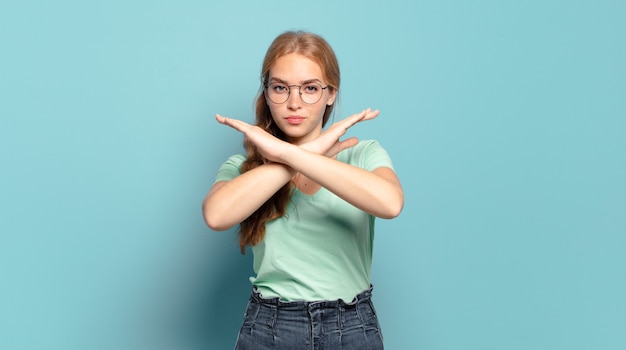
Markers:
point(311, 88)
point(279, 88)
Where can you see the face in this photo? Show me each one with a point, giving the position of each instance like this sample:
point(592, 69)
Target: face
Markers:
point(301, 122)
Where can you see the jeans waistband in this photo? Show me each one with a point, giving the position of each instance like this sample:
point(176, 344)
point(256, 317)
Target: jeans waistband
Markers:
point(364, 296)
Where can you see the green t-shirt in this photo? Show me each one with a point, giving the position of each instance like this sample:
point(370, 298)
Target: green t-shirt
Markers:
point(322, 248)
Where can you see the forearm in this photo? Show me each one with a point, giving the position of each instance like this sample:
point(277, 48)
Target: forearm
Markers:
point(229, 203)
point(378, 193)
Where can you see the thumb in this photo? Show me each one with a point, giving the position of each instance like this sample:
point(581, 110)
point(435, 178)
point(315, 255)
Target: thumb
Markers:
point(349, 142)
point(345, 144)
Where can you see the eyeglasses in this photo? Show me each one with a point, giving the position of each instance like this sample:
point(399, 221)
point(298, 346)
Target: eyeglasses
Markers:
point(310, 93)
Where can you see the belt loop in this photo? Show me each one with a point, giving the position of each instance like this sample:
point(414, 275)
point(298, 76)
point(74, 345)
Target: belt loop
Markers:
point(341, 318)
point(272, 321)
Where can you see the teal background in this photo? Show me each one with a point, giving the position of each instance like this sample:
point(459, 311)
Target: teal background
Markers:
point(506, 121)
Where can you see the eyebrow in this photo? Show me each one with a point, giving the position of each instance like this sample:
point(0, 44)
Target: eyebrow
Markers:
point(315, 80)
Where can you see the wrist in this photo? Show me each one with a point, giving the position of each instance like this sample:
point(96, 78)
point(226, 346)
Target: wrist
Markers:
point(289, 154)
point(289, 171)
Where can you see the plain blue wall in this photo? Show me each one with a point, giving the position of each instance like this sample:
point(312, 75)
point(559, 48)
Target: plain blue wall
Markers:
point(506, 122)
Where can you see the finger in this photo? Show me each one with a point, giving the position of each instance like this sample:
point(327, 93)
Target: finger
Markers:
point(341, 145)
point(355, 118)
point(347, 143)
point(371, 114)
point(233, 123)
point(366, 114)
point(221, 119)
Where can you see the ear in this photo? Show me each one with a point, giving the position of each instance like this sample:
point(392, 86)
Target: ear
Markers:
point(331, 98)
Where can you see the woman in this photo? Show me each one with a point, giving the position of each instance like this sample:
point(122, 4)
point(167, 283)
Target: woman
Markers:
point(305, 202)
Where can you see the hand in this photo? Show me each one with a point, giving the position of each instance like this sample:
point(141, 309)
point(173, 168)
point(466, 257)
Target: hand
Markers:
point(328, 143)
point(268, 145)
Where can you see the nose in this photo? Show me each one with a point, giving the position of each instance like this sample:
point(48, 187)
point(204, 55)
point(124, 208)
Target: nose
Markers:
point(294, 100)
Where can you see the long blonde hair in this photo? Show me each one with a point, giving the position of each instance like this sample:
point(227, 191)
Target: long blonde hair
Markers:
point(315, 48)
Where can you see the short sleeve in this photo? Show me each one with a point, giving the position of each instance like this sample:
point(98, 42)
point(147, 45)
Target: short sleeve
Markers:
point(370, 155)
point(231, 168)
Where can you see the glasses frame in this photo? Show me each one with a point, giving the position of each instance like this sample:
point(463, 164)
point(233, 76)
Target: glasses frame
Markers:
point(267, 85)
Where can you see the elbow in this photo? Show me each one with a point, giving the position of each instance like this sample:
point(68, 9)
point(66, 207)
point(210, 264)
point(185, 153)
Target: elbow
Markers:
point(392, 211)
point(215, 225)
point(214, 220)
point(393, 207)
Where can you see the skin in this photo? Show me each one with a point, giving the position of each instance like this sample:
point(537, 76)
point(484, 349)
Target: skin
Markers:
point(296, 69)
point(307, 157)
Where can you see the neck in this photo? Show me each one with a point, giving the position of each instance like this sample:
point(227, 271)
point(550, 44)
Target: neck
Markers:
point(304, 138)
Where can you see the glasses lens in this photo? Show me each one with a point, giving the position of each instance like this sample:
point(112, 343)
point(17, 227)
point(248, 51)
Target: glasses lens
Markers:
point(277, 92)
point(311, 92)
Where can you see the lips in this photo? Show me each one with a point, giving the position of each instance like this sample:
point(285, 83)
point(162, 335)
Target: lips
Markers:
point(295, 120)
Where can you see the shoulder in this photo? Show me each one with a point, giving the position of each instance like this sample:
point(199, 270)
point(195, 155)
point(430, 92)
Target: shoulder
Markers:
point(231, 168)
point(367, 145)
point(367, 154)
point(235, 160)
point(364, 148)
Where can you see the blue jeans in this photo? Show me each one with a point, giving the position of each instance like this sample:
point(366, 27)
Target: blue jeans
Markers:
point(316, 325)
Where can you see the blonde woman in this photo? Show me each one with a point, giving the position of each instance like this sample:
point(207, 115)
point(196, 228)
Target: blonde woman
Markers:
point(305, 202)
